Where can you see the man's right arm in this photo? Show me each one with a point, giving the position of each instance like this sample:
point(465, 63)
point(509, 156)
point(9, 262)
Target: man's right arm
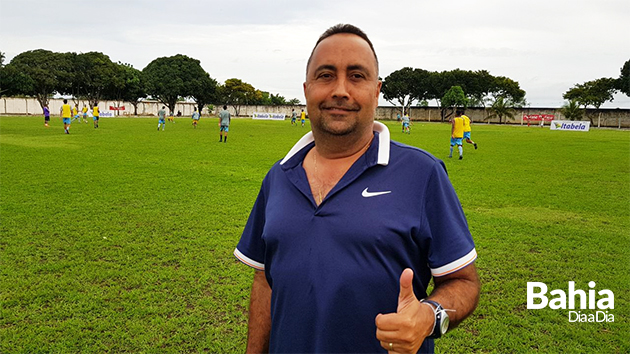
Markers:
point(259, 326)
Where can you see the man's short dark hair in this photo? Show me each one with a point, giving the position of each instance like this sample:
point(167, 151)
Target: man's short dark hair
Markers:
point(224, 107)
point(339, 29)
point(65, 100)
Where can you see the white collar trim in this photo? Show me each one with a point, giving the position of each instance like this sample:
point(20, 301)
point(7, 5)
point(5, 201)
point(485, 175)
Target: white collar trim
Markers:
point(383, 144)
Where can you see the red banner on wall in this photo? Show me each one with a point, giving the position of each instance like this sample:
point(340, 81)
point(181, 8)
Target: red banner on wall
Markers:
point(539, 117)
point(112, 108)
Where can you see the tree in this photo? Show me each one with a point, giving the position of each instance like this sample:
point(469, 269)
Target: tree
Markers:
point(204, 90)
point(479, 87)
point(453, 98)
point(572, 110)
point(127, 86)
point(592, 93)
point(438, 84)
point(399, 88)
point(502, 107)
point(277, 100)
point(94, 77)
point(508, 89)
point(237, 93)
point(37, 73)
point(169, 78)
point(293, 102)
point(623, 82)
point(2, 73)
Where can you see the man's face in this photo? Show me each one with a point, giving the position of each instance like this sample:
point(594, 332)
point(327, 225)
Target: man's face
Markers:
point(342, 85)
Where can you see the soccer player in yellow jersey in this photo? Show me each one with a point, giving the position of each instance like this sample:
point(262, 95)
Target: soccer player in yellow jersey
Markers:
point(84, 111)
point(457, 133)
point(75, 113)
point(66, 116)
point(96, 114)
point(467, 128)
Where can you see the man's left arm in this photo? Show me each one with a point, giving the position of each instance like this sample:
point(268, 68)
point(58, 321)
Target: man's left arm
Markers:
point(458, 291)
point(405, 330)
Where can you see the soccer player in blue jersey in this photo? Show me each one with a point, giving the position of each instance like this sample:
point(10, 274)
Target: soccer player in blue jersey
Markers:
point(161, 118)
point(195, 118)
point(405, 124)
point(224, 124)
point(293, 117)
point(343, 246)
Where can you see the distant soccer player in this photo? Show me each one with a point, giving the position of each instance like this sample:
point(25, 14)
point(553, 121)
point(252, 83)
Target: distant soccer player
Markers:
point(303, 117)
point(224, 124)
point(84, 110)
point(405, 124)
point(195, 118)
point(293, 117)
point(467, 128)
point(95, 114)
point(171, 118)
point(66, 116)
point(46, 116)
point(457, 133)
point(162, 118)
point(75, 113)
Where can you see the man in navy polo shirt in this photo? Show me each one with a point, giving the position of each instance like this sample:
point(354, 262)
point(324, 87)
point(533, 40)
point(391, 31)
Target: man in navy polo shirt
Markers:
point(343, 244)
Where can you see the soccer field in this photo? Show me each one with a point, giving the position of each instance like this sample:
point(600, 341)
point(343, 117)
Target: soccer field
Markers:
point(120, 239)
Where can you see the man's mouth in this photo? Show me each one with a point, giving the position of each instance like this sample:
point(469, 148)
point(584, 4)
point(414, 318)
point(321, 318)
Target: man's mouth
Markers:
point(339, 109)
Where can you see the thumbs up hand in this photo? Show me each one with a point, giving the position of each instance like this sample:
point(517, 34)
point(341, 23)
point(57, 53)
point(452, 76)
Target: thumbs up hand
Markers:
point(405, 330)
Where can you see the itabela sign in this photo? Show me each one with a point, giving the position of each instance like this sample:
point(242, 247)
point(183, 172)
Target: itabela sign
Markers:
point(570, 125)
point(273, 116)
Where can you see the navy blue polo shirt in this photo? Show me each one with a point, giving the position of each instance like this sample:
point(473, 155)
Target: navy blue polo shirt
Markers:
point(334, 267)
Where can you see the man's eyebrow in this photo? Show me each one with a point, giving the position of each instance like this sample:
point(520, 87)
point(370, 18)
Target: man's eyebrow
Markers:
point(358, 67)
point(348, 68)
point(326, 67)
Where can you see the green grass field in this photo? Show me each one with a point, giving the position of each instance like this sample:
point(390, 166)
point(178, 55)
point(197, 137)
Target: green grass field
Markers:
point(120, 239)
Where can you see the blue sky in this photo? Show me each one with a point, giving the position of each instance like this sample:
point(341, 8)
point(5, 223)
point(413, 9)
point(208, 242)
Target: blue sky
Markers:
point(547, 46)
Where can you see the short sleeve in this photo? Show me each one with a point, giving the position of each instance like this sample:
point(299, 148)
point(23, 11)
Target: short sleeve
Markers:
point(451, 246)
point(251, 247)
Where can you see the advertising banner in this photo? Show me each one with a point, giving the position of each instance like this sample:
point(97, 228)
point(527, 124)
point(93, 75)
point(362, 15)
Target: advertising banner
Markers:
point(570, 125)
point(107, 114)
point(539, 117)
point(272, 116)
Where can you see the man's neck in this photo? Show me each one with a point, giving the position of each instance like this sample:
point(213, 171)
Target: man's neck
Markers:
point(333, 147)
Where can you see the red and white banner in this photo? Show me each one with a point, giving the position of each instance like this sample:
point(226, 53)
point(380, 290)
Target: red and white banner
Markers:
point(539, 117)
point(112, 108)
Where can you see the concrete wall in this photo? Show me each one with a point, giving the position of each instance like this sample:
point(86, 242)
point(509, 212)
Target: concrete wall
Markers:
point(30, 106)
point(607, 117)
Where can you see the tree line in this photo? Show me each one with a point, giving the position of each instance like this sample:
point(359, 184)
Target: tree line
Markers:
point(450, 89)
point(500, 95)
point(93, 77)
point(595, 93)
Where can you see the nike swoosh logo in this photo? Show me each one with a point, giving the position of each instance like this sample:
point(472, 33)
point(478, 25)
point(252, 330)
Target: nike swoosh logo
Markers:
point(367, 194)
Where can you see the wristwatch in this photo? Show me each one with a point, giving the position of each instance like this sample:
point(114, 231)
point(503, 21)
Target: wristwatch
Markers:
point(440, 325)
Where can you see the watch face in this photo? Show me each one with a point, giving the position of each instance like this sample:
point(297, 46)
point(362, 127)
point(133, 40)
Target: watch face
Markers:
point(445, 322)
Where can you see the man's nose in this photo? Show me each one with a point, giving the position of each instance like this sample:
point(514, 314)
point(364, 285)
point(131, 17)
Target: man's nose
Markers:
point(340, 90)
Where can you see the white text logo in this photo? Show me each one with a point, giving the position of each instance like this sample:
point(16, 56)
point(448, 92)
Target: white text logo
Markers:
point(558, 299)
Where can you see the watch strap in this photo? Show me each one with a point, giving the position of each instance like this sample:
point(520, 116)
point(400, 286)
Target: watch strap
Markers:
point(438, 312)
